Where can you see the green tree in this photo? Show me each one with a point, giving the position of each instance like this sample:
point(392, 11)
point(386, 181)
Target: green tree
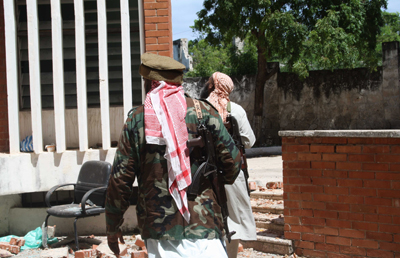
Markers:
point(225, 58)
point(304, 33)
point(390, 31)
point(207, 58)
point(243, 61)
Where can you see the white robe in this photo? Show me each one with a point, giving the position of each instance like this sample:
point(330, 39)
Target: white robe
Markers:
point(193, 248)
point(241, 217)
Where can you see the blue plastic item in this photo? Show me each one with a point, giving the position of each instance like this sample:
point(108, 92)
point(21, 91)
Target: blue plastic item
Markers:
point(33, 239)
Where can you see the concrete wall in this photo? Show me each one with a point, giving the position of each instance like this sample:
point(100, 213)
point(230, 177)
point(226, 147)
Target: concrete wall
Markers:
point(341, 192)
point(343, 99)
point(6, 203)
point(181, 53)
point(19, 224)
point(29, 172)
point(339, 99)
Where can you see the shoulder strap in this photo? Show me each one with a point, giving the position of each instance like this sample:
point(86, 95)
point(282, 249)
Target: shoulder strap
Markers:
point(198, 109)
point(134, 108)
point(228, 107)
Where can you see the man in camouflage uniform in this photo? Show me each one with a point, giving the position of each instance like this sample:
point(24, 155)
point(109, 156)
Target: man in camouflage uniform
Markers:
point(166, 231)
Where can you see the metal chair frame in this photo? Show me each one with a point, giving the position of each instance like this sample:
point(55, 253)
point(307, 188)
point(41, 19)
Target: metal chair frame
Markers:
point(84, 200)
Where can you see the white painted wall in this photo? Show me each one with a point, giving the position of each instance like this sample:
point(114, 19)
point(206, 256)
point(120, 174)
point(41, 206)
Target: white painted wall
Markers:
point(29, 172)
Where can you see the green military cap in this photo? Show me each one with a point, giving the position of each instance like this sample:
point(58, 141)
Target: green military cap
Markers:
point(161, 68)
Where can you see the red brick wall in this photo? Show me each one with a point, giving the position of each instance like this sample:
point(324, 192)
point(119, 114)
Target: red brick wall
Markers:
point(342, 196)
point(4, 146)
point(158, 27)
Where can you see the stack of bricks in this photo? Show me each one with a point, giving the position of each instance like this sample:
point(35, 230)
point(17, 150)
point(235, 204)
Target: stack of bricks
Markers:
point(14, 246)
point(142, 253)
point(86, 253)
point(158, 27)
point(342, 196)
point(3, 88)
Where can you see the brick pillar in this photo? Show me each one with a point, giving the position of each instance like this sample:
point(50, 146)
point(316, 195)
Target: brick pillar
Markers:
point(158, 27)
point(4, 145)
point(342, 192)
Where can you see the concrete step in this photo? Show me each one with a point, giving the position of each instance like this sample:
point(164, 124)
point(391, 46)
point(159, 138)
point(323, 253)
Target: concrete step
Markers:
point(270, 242)
point(273, 222)
point(276, 194)
point(266, 206)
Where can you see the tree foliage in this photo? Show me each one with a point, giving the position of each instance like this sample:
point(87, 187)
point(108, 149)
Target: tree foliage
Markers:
point(207, 58)
point(390, 31)
point(305, 34)
point(227, 59)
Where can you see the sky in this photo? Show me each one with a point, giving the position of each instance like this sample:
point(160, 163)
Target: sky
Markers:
point(184, 14)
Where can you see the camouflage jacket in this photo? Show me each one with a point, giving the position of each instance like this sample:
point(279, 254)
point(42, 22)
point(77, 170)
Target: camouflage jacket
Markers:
point(158, 216)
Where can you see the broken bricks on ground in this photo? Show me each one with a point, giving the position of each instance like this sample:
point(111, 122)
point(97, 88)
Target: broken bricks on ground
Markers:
point(134, 249)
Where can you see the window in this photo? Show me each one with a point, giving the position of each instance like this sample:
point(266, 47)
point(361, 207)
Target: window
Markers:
point(92, 69)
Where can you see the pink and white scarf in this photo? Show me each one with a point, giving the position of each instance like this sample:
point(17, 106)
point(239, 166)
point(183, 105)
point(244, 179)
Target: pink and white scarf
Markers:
point(164, 123)
point(219, 97)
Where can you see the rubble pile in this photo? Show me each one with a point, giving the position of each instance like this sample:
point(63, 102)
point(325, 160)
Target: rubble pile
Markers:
point(274, 185)
point(257, 186)
point(12, 247)
point(251, 253)
point(134, 247)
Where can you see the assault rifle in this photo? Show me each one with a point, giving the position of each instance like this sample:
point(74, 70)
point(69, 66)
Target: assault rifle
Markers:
point(232, 126)
point(208, 169)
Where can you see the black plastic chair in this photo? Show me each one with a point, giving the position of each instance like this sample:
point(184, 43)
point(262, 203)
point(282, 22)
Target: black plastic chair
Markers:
point(89, 194)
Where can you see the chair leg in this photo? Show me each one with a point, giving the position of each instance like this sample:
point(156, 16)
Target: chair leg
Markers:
point(76, 235)
point(44, 232)
point(47, 218)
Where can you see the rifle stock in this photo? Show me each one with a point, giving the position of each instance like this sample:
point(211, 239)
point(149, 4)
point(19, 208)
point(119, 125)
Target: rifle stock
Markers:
point(218, 185)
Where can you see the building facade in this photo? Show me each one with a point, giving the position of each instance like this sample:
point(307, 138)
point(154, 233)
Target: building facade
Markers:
point(68, 77)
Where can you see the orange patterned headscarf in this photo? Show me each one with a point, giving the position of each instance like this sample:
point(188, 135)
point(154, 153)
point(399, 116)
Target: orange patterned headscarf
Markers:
point(219, 97)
